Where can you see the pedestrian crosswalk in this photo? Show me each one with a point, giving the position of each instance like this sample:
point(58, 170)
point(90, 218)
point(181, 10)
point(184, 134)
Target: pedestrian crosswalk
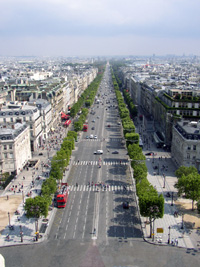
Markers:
point(100, 188)
point(85, 162)
point(104, 139)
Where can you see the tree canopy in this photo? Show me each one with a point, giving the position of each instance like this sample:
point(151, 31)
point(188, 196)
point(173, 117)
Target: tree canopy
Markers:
point(190, 186)
point(183, 170)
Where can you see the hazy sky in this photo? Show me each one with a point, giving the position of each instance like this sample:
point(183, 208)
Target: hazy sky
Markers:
point(99, 27)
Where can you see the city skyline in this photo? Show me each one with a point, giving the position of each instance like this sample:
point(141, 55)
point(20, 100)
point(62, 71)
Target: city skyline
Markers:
point(104, 28)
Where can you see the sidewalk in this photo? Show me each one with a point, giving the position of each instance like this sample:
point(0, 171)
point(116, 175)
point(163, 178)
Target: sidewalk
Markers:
point(173, 227)
point(15, 194)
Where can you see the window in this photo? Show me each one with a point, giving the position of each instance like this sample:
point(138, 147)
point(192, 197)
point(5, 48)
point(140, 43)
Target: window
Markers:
point(189, 147)
point(5, 156)
point(194, 147)
point(11, 119)
point(11, 155)
point(4, 119)
point(24, 118)
point(188, 156)
point(10, 146)
point(5, 147)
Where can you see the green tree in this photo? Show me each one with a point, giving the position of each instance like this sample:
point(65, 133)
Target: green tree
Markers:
point(56, 172)
point(78, 126)
point(36, 207)
point(51, 184)
point(183, 170)
point(140, 172)
point(151, 205)
point(190, 186)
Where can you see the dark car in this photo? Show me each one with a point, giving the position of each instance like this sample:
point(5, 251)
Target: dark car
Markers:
point(92, 128)
point(149, 154)
point(125, 205)
point(41, 154)
point(115, 152)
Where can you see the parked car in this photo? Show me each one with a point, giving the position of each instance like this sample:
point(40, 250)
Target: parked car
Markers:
point(40, 154)
point(115, 152)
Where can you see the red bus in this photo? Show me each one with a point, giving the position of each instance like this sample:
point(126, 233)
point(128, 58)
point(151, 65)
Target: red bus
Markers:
point(62, 197)
point(85, 127)
point(64, 116)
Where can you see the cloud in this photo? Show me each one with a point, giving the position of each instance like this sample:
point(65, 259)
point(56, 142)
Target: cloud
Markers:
point(84, 16)
point(39, 21)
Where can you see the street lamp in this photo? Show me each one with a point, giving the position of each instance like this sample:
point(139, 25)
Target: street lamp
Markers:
point(164, 180)
point(21, 233)
point(153, 214)
point(172, 204)
point(36, 210)
point(9, 219)
point(23, 196)
point(169, 235)
point(182, 220)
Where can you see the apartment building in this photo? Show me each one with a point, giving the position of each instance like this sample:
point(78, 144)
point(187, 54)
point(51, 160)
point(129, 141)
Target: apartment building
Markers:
point(21, 112)
point(185, 147)
point(15, 149)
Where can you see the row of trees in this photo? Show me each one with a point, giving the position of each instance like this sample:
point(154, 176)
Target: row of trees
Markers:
point(151, 203)
point(87, 97)
point(85, 102)
point(39, 206)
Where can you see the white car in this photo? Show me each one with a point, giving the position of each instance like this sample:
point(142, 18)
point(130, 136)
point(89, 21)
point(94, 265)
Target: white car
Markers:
point(95, 137)
point(98, 152)
point(91, 136)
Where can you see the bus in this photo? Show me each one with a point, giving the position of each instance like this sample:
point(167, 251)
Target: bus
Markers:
point(64, 116)
point(62, 196)
point(85, 127)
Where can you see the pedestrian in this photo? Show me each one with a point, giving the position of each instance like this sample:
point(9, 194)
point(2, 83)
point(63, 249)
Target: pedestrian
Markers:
point(24, 177)
point(172, 242)
point(7, 197)
point(176, 241)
